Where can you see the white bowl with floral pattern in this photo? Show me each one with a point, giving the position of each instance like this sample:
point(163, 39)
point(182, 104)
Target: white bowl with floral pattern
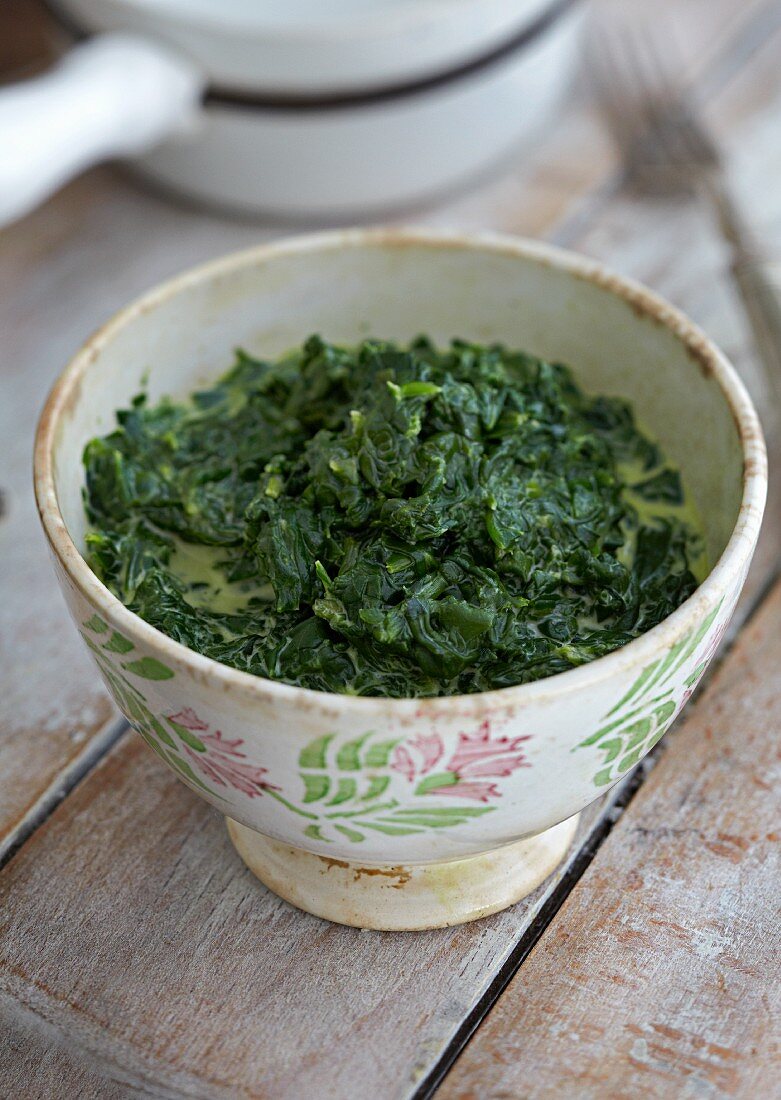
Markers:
point(408, 813)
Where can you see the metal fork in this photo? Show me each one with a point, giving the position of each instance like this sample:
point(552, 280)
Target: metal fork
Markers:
point(664, 145)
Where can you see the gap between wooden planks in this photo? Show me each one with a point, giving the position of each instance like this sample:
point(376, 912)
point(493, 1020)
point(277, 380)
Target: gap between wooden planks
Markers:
point(660, 975)
point(128, 832)
point(756, 162)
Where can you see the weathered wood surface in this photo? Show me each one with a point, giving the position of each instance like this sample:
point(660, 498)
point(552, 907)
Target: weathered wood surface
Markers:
point(33, 1069)
point(660, 975)
point(131, 934)
point(68, 266)
point(130, 929)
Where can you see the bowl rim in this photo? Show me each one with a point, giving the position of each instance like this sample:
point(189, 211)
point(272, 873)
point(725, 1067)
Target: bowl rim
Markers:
point(645, 303)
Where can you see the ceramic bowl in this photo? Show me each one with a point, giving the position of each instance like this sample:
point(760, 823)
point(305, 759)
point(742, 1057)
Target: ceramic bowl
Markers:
point(402, 813)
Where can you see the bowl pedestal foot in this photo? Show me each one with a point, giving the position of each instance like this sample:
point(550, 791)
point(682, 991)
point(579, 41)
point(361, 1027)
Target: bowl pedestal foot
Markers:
point(403, 898)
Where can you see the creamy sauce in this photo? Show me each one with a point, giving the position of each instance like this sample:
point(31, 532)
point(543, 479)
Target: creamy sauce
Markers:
point(649, 511)
point(198, 567)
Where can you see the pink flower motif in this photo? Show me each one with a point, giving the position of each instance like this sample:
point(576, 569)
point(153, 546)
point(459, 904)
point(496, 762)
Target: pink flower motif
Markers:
point(427, 751)
point(189, 719)
point(702, 665)
point(715, 642)
point(478, 754)
point(227, 767)
point(479, 792)
point(430, 748)
point(222, 762)
point(401, 761)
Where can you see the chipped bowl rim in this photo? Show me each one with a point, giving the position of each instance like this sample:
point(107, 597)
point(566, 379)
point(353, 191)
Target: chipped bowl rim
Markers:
point(646, 303)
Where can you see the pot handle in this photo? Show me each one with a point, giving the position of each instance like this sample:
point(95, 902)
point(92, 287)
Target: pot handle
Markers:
point(115, 95)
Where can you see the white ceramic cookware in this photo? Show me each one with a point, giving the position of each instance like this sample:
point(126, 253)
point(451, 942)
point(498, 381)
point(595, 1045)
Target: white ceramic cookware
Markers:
point(292, 107)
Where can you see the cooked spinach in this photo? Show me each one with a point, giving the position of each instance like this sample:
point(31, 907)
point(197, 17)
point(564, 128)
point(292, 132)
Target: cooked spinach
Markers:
point(386, 520)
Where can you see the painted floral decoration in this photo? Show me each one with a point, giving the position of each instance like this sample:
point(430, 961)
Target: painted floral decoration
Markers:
point(217, 758)
point(477, 758)
point(350, 788)
point(645, 713)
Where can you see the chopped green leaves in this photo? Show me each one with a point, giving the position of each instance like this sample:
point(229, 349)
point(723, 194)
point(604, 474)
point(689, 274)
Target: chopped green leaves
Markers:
point(386, 520)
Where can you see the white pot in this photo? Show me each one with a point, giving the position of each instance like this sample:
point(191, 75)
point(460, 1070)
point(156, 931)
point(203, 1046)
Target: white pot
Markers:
point(279, 111)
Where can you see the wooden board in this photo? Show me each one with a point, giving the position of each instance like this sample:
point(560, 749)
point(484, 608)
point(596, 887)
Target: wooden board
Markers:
point(131, 935)
point(131, 930)
point(101, 241)
point(32, 1069)
point(660, 976)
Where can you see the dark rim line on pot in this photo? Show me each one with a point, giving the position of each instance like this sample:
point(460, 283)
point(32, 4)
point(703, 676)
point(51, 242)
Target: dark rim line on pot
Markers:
point(216, 96)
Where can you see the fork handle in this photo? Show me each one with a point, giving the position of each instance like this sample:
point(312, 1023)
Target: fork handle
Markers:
point(757, 278)
point(759, 283)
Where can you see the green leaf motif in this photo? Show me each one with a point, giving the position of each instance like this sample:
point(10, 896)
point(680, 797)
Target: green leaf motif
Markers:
point(640, 719)
point(378, 784)
point(345, 792)
point(117, 643)
point(373, 809)
point(428, 820)
point(352, 834)
point(187, 736)
point(162, 733)
point(137, 710)
point(434, 782)
point(378, 755)
point(149, 668)
point(317, 787)
point(612, 748)
point(636, 687)
point(91, 645)
point(314, 755)
point(695, 676)
point(348, 758)
point(185, 769)
point(96, 625)
point(389, 830)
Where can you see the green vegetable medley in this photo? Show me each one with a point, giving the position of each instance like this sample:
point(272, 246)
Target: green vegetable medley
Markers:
point(399, 521)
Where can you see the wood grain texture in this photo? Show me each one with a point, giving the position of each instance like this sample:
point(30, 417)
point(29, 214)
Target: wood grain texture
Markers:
point(136, 953)
point(132, 933)
point(101, 241)
point(32, 1069)
point(660, 975)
